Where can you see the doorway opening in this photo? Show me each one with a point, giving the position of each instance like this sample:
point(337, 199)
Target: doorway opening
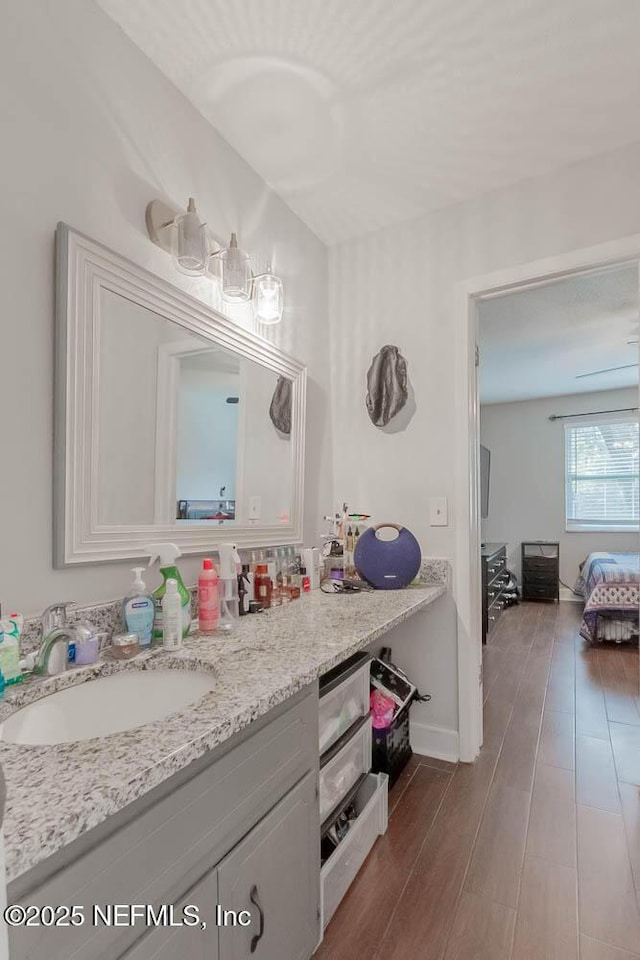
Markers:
point(519, 372)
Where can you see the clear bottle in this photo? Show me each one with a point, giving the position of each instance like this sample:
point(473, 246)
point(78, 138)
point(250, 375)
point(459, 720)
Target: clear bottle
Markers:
point(171, 616)
point(208, 598)
point(275, 573)
point(230, 566)
point(284, 578)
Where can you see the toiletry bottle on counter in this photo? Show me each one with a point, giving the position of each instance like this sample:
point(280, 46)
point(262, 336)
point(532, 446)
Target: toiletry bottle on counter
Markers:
point(171, 616)
point(245, 590)
point(139, 609)
point(230, 567)
point(10, 630)
point(311, 561)
point(208, 598)
point(263, 586)
point(275, 575)
point(168, 554)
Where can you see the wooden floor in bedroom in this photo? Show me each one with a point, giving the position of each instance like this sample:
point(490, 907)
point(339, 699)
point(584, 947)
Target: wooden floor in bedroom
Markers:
point(533, 852)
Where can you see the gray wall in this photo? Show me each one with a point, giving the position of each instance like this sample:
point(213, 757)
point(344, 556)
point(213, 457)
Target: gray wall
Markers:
point(400, 285)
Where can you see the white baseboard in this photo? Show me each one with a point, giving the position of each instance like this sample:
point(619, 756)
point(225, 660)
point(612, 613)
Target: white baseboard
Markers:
point(568, 595)
point(431, 741)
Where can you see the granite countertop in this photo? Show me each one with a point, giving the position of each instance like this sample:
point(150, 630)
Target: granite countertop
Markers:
point(56, 793)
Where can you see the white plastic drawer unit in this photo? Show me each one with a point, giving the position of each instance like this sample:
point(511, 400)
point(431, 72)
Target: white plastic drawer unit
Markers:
point(343, 765)
point(339, 871)
point(344, 698)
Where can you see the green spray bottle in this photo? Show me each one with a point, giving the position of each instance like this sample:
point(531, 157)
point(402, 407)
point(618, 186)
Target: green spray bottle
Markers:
point(167, 554)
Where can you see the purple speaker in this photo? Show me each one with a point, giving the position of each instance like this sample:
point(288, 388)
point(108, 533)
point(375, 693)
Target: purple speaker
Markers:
point(387, 563)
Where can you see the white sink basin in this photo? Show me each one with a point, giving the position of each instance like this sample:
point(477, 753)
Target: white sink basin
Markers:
point(98, 708)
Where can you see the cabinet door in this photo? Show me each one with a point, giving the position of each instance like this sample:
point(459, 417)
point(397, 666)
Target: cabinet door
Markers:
point(275, 874)
point(188, 943)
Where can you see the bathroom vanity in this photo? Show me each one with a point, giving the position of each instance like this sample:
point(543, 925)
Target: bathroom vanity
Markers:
point(191, 832)
point(215, 804)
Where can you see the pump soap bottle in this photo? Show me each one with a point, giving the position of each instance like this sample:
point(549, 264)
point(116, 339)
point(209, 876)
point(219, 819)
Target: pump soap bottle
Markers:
point(230, 567)
point(138, 609)
point(168, 554)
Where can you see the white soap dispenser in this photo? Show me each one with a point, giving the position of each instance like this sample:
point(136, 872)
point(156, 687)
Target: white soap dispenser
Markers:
point(230, 567)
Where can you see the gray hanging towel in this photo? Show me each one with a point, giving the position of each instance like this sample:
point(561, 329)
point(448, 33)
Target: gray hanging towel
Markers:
point(280, 409)
point(386, 385)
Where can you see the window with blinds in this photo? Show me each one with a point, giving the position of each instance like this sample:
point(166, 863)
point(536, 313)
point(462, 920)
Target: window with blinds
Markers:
point(602, 475)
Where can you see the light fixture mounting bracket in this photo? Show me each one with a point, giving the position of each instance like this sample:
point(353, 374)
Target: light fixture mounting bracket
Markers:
point(159, 217)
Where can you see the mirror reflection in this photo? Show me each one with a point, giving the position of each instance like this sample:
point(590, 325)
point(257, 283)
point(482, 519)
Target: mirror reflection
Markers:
point(187, 431)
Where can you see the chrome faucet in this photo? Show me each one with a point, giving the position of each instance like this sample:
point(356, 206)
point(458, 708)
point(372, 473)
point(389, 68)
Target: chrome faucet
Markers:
point(52, 654)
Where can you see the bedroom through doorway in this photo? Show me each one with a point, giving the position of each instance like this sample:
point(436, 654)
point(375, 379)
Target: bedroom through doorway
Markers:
point(559, 449)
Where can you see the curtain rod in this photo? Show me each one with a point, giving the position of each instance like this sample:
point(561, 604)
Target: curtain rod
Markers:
point(593, 413)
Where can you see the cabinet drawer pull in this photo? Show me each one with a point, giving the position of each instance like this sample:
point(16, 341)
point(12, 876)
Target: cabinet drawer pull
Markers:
point(256, 938)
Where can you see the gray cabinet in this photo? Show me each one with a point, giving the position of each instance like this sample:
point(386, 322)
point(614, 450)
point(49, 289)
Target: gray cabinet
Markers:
point(189, 942)
point(275, 875)
point(244, 807)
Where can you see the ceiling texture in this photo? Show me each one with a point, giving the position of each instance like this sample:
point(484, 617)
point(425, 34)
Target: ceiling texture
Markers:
point(362, 113)
point(541, 342)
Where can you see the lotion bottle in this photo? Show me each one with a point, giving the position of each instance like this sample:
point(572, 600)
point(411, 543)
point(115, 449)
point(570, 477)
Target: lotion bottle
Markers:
point(171, 616)
point(208, 598)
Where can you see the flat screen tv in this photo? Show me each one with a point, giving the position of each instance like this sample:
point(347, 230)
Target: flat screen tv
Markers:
point(485, 466)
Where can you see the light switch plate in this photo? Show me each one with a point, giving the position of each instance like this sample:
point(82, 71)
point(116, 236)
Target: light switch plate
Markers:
point(255, 508)
point(438, 512)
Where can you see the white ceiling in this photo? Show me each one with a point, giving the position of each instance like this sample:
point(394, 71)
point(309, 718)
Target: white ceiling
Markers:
point(536, 343)
point(364, 113)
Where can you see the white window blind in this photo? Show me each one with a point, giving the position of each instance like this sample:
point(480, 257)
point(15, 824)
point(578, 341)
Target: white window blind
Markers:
point(602, 475)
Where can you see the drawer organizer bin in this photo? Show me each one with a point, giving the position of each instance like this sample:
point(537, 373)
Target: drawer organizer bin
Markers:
point(342, 766)
point(371, 802)
point(344, 698)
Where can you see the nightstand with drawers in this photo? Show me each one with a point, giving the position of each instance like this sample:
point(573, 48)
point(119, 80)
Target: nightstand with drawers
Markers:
point(540, 570)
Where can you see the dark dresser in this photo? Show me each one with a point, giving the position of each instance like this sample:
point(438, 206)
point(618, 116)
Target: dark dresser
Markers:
point(494, 579)
point(540, 570)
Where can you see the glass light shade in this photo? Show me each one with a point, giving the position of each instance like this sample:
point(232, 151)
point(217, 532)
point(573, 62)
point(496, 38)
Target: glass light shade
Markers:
point(236, 273)
point(190, 242)
point(214, 267)
point(268, 298)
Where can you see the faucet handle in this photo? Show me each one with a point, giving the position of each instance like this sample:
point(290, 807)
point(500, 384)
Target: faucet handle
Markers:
point(55, 616)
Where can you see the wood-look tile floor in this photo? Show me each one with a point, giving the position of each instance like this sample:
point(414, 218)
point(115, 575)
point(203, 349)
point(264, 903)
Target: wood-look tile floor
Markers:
point(532, 852)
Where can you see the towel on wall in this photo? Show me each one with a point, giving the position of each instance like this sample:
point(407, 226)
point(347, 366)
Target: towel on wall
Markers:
point(386, 385)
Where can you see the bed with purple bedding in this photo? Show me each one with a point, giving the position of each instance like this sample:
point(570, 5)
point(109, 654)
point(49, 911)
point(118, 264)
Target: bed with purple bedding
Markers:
point(610, 586)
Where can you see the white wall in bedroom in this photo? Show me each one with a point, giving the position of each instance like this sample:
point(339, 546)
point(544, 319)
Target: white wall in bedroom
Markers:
point(527, 477)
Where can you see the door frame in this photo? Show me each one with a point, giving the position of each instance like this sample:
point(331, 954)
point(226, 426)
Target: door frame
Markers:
point(467, 574)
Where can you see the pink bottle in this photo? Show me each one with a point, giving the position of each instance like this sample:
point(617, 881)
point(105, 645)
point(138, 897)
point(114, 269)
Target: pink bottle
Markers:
point(208, 598)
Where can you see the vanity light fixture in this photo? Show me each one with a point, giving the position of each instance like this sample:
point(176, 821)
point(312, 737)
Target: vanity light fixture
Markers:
point(236, 272)
point(190, 248)
point(268, 298)
point(197, 252)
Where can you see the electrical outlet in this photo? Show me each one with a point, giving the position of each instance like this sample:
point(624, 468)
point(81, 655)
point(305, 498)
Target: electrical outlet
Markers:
point(255, 507)
point(438, 512)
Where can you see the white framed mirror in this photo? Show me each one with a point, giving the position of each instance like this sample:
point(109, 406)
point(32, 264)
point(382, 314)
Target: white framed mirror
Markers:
point(171, 422)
